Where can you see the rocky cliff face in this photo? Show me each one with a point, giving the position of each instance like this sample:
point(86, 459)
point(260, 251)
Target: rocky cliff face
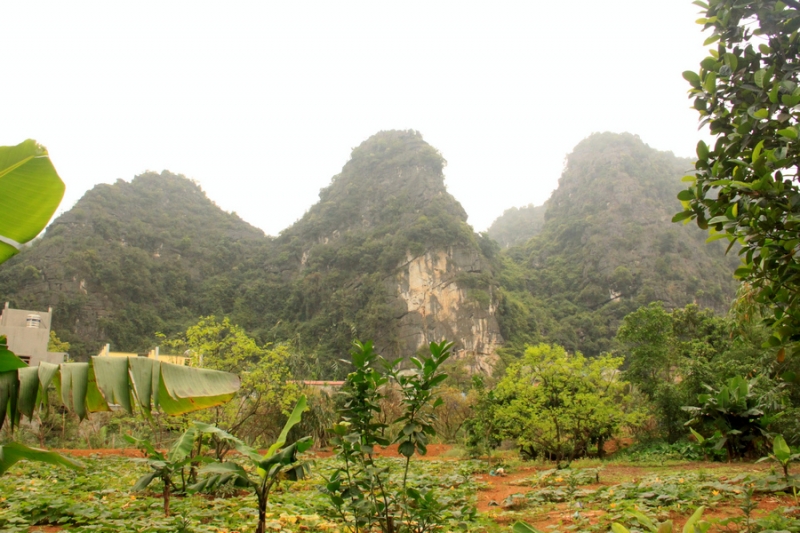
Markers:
point(437, 307)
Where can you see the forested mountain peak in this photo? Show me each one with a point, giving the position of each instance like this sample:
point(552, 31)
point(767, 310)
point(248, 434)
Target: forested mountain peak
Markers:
point(388, 182)
point(608, 246)
point(130, 259)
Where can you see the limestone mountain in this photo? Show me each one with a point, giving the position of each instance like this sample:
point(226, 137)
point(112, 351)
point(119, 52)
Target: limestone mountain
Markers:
point(608, 246)
point(132, 259)
point(517, 224)
point(386, 254)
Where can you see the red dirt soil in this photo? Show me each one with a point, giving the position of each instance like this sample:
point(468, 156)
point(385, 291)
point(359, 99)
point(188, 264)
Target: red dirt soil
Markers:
point(124, 452)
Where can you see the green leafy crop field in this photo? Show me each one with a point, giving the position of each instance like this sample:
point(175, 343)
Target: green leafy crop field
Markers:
point(736, 497)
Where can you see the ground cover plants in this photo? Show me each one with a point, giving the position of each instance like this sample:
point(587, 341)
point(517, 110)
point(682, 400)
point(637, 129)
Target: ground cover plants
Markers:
point(735, 497)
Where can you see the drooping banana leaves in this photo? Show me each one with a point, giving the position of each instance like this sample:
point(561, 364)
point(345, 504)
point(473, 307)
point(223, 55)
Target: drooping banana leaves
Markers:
point(107, 382)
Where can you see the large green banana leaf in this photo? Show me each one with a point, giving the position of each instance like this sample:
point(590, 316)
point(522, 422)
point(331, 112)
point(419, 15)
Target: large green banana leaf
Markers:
point(14, 451)
point(30, 191)
point(107, 382)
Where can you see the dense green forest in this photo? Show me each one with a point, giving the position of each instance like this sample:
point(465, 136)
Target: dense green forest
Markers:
point(133, 260)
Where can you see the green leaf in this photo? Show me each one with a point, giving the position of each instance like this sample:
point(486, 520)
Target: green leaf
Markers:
point(144, 481)
point(790, 132)
point(781, 449)
point(710, 83)
point(522, 527)
point(8, 360)
point(406, 448)
point(144, 373)
point(732, 61)
point(30, 191)
point(757, 151)
point(686, 195)
point(702, 151)
point(9, 388)
point(718, 236)
point(183, 446)
point(759, 77)
point(28, 390)
point(13, 452)
point(112, 378)
point(294, 419)
point(618, 528)
point(692, 78)
point(74, 385)
point(683, 215)
point(689, 527)
point(183, 389)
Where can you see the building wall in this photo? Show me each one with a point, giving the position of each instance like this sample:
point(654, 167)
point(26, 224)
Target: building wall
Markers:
point(29, 343)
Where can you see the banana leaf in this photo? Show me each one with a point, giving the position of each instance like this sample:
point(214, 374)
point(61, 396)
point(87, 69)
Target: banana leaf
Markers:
point(90, 387)
point(14, 451)
point(30, 191)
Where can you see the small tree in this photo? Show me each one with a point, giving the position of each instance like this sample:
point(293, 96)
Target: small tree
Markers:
point(557, 404)
point(165, 466)
point(360, 490)
point(481, 427)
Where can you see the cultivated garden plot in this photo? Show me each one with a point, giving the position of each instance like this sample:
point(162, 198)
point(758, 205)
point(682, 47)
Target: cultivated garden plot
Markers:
point(588, 497)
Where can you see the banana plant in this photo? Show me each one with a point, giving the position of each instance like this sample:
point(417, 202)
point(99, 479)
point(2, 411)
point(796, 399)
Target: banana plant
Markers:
point(164, 466)
point(781, 454)
point(187, 451)
point(280, 460)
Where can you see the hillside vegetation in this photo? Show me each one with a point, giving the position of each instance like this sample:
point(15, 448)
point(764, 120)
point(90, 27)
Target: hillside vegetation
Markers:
point(607, 247)
point(134, 259)
point(131, 260)
point(517, 224)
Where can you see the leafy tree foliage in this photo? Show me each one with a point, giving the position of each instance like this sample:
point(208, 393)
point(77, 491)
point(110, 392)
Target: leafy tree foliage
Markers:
point(745, 186)
point(675, 356)
point(267, 391)
point(737, 413)
point(557, 404)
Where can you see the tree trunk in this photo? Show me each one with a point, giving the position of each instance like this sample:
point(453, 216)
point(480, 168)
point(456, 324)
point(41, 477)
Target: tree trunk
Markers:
point(166, 497)
point(262, 520)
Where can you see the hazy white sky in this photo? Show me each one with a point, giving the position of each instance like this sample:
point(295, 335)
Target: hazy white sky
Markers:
point(261, 102)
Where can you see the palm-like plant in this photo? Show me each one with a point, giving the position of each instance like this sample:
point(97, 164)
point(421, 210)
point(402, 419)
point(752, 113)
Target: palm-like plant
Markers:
point(280, 460)
point(781, 454)
point(736, 411)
